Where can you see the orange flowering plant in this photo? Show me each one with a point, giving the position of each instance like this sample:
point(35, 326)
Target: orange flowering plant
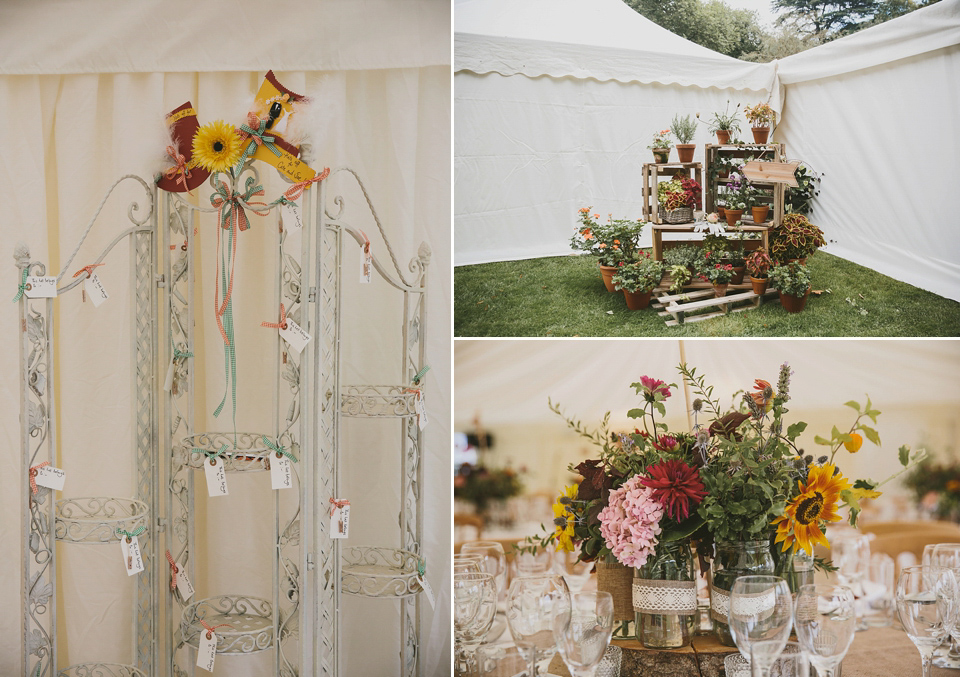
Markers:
point(613, 243)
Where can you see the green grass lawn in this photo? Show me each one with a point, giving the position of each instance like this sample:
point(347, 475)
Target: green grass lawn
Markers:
point(564, 296)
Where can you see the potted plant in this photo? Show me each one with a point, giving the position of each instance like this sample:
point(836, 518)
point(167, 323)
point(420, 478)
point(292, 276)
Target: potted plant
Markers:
point(735, 257)
point(799, 199)
point(759, 264)
point(638, 280)
point(661, 147)
point(684, 128)
point(760, 117)
point(795, 239)
point(679, 277)
point(612, 243)
point(735, 198)
point(792, 280)
point(678, 198)
point(723, 124)
point(758, 209)
point(719, 275)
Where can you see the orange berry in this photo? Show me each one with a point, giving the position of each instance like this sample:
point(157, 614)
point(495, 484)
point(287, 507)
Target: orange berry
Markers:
point(853, 446)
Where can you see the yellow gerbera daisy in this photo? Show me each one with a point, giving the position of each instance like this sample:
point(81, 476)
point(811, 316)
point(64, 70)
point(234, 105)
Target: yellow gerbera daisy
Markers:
point(816, 503)
point(564, 519)
point(216, 147)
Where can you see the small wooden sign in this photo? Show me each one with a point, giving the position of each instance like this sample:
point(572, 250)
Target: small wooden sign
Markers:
point(771, 172)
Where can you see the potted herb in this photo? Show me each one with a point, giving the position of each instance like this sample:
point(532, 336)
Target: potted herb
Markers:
point(684, 129)
point(795, 239)
point(638, 280)
point(661, 147)
point(720, 275)
point(760, 117)
point(759, 264)
point(792, 280)
point(612, 243)
point(723, 124)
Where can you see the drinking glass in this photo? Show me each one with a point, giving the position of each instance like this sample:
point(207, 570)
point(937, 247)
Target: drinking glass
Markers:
point(474, 630)
point(534, 564)
point(494, 562)
point(826, 621)
point(878, 588)
point(467, 566)
point(532, 602)
point(760, 618)
point(926, 600)
point(582, 631)
point(467, 596)
point(948, 555)
point(793, 662)
point(851, 556)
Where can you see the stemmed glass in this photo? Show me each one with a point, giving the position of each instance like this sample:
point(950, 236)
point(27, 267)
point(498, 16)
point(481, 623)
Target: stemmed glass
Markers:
point(494, 562)
point(760, 617)
point(826, 622)
point(532, 603)
point(467, 596)
point(851, 556)
point(582, 631)
point(948, 555)
point(480, 591)
point(926, 601)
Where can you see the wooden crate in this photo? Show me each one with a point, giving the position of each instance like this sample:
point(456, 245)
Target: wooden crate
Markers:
point(697, 301)
point(660, 229)
point(651, 175)
point(775, 192)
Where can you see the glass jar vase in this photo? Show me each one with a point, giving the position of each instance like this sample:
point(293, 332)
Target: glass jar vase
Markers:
point(795, 567)
point(665, 597)
point(731, 560)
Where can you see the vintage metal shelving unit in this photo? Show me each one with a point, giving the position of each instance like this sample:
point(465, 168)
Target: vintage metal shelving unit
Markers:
point(311, 570)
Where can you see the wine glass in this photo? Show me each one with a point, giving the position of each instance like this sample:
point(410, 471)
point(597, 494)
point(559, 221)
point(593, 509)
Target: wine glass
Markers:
point(792, 662)
point(532, 603)
point(467, 596)
point(582, 631)
point(494, 562)
point(760, 618)
point(926, 601)
point(475, 629)
point(469, 564)
point(948, 555)
point(851, 556)
point(533, 563)
point(826, 621)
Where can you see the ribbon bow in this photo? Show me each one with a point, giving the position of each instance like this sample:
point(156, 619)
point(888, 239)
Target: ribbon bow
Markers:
point(180, 168)
point(420, 375)
point(279, 449)
point(210, 631)
point(337, 503)
point(422, 567)
point(254, 130)
point(180, 355)
point(23, 285)
point(173, 571)
point(212, 455)
point(296, 190)
point(282, 324)
point(87, 269)
point(131, 534)
point(33, 475)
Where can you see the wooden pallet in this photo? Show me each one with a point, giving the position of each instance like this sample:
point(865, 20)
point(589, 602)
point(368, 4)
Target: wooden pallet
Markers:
point(699, 296)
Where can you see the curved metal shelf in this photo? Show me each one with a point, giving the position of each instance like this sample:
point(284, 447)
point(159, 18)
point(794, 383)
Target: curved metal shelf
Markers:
point(378, 401)
point(379, 572)
point(96, 519)
point(100, 670)
point(246, 452)
point(250, 620)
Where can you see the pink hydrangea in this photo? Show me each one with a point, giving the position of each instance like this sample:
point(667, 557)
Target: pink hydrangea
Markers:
point(630, 523)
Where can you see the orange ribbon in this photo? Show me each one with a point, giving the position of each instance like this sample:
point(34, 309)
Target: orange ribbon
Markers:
point(296, 190)
point(87, 269)
point(180, 168)
point(337, 503)
point(210, 630)
point(282, 324)
point(33, 475)
point(174, 571)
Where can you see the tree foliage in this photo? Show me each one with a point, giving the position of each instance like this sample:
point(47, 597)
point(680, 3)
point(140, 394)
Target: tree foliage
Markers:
point(713, 24)
point(825, 20)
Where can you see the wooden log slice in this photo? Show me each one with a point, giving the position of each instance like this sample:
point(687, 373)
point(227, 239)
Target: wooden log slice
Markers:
point(703, 658)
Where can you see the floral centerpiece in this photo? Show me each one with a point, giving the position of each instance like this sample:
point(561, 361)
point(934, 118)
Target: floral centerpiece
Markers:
point(936, 487)
point(480, 485)
point(612, 243)
point(661, 146)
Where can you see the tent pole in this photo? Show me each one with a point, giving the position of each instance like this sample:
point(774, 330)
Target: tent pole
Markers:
point(686, 386)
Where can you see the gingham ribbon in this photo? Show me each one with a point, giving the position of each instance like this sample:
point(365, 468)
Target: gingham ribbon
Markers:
point(33, 475)
point(254, 130)
point(296, 190)
point(422, 567)
point(211, 631)
point(180, 167)
point(131, 534)
point(212, 455)
point(87, 269)
point(279, 449)
point(282, 324)
point(421, 374)
point(174, 570)
point(337, 503)
point(180, 354)
point(23, 285)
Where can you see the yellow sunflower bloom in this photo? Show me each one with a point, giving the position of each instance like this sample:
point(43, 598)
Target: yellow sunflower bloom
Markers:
point(216, 147)
point(563, 519)
point(816, 503)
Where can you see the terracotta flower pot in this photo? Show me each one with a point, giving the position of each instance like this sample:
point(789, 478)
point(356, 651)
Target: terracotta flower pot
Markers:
point(794, 304)
point(607, 272)
point(733, 215)
point(721, 211)
point(661, 156)
point(759, 285)
point(685, 151)
point(637, 300)
point(760, 134)
point(738, 272)
point(760, 213)
point(723, 136)
point(720, 290)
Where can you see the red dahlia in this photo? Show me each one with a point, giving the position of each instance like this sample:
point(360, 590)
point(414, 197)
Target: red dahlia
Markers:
point(675, 486)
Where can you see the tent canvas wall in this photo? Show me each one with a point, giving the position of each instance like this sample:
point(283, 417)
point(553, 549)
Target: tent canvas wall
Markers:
point(554, 113)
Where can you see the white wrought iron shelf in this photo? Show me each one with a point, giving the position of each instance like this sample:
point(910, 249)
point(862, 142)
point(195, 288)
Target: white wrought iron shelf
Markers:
point(368, 571)
point(245, 452)
point(97, 519)
point(101, 670)
point(384, 401)
point(250, 619)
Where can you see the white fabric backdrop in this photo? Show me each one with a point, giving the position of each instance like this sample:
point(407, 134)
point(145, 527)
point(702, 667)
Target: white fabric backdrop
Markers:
point(83, 132)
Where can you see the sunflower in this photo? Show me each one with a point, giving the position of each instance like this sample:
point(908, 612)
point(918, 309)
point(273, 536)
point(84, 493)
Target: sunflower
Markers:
point(816, 503)
point(563, 518)
point(216, 147)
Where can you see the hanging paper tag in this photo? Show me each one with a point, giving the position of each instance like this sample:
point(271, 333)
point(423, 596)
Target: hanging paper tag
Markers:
point(207, 652)
point(50, 477)
point(295, 335)
point(41, 287)
point(421, 410)
point(95, 290)
point(281, 476)
point(340, 522)
point(427, 590)
point(366, 271)
point(132, 559)
point(183, 583)
point(292, 218)
point(168, 382)
point(216, 477)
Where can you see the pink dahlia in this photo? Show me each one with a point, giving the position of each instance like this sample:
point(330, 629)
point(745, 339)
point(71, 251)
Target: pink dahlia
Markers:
point(675, 485)
point(655, 386)
point(630, 523)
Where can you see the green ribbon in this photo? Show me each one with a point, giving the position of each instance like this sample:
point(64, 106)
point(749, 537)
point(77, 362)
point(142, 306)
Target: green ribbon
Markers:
point(422, 567)
point(266, 141)
point(39, 665)
point(279, 449)
point(212, 455)
point(22, 288)
point(420, 374)
point(131, 534)
point(180, 355)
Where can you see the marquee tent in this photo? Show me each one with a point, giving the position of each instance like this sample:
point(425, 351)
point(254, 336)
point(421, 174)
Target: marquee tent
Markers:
point(555, 103)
